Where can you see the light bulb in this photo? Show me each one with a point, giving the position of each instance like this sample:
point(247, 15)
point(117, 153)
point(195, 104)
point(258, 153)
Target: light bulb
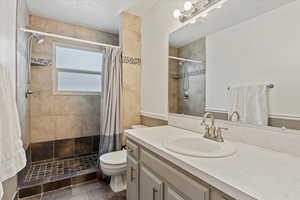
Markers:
point(219, 6)
point(204, 15)
point(177, 13)
point(193, 21)
point(188, 5)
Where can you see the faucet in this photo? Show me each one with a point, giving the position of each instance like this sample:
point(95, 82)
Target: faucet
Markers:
point(237, 116)
point(211, 132)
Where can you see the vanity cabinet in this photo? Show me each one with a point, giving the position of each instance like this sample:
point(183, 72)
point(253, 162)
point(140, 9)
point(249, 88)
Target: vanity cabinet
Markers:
point(151, 186)
point(217, 195)
point(132, 178)
point(150, 177)
point(172, 194)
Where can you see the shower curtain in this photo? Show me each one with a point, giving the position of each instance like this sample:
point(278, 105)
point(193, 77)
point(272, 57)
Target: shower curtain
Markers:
point(111, 123)
point(12, 154)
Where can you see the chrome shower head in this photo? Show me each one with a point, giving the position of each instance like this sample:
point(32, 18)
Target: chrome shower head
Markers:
point(181, 63)
point(38, 38)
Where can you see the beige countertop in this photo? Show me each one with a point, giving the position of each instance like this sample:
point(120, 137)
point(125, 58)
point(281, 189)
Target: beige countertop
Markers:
point(251, 173)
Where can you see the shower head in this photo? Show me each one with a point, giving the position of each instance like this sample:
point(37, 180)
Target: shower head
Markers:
point(181, 63)
point(38, 38)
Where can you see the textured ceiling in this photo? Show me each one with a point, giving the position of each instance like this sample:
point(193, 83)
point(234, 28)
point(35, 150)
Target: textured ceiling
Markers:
point(233, 12)
point(96, 14)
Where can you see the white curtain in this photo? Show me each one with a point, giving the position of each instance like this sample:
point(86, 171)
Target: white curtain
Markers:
point(12, 154)
point(111, 119)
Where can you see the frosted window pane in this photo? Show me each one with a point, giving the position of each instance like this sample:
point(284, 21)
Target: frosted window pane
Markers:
point(69, 58)
point(69, 81)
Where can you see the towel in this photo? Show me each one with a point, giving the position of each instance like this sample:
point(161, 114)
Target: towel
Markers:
point(251, 102)
point(12, 154)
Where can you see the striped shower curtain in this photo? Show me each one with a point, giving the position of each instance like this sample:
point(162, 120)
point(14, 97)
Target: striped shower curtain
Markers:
point(111, 123)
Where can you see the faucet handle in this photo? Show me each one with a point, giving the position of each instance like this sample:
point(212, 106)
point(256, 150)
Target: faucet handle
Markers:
point(222, 128)
point(219, 136)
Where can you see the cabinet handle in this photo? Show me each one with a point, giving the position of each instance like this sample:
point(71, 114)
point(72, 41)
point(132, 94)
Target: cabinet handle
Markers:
point(154, 193)
point(132, 170)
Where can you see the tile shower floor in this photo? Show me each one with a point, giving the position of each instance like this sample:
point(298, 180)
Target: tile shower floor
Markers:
point(91, 191)
point(59, 169)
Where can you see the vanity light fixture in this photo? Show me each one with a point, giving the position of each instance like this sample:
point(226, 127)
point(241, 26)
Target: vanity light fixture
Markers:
point(192, 11)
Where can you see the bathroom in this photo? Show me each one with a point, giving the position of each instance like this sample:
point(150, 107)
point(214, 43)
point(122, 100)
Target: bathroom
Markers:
point(149, 99)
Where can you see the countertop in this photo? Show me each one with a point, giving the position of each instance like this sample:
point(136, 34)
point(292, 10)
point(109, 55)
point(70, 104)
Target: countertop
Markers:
point(251, 173)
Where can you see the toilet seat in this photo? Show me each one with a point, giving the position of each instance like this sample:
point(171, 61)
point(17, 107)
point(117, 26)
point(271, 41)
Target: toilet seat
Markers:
point(114, 158)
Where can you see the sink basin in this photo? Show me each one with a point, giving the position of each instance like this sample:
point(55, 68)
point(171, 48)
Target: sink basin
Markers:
point(199, 147)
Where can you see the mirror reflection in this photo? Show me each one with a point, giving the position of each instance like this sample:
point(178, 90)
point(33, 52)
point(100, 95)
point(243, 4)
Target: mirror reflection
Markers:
point(239, 66)
point(187, 78)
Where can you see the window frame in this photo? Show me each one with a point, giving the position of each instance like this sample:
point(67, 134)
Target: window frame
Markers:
point(56, 70)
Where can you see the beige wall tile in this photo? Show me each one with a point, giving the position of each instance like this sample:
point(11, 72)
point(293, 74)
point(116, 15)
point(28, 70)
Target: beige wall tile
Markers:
point(42, 128)
point(41, 103)
point(68, 127)
point(41, 78)
point(148, 121)
point(91, 125)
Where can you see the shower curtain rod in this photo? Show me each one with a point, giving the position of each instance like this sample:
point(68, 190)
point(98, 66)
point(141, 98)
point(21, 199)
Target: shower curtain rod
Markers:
point(68, 38)
point(184, 59)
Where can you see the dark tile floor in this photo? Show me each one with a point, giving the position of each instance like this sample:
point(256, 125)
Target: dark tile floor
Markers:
point(57, 169)
point(90, 191)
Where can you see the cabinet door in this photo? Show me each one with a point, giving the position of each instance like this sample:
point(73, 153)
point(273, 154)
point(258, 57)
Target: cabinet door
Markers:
point(217, 195)
point(171, 194)
point(151, 187)
point(132, 179)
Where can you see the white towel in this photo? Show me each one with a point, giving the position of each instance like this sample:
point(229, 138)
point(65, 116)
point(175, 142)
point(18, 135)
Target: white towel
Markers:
point(251, 102)
point(12, 154)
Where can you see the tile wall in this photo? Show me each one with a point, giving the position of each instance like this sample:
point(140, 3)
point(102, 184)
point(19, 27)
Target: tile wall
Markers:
point(131, 47)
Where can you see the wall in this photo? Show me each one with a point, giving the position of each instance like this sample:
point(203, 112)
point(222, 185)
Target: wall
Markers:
point(156, 26)
point(262, 50)
point(131, 47)
point(56, 117)
point(8, 59)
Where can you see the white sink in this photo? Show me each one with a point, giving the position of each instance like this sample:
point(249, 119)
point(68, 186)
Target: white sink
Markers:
point(199, 147)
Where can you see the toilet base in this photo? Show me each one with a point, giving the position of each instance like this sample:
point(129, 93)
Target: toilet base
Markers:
point(118, 183)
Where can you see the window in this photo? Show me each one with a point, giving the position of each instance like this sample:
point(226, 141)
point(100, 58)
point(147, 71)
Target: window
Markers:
point(77, 70)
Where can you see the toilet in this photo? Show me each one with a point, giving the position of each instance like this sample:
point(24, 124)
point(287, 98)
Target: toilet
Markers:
point(114, 164)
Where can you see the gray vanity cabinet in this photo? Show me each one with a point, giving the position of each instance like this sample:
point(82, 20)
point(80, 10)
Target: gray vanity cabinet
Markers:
point(132, 179)
point(151, 186)
point(150, 177)
point(172, 194)
point(217, 195)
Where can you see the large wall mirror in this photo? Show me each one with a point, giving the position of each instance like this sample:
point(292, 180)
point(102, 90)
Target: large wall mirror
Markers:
point(240, 62)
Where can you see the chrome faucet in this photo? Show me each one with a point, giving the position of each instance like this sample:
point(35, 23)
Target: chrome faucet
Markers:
point(211, 132)
point(237, 116)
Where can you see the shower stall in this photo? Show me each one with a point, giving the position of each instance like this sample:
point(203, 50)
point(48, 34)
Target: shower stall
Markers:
point(63, 91)
point(187, 69)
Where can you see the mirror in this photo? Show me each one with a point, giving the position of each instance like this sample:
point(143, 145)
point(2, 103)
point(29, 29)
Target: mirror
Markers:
point(239, 62)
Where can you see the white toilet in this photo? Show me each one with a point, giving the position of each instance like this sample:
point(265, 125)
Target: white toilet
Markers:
point(114, 164)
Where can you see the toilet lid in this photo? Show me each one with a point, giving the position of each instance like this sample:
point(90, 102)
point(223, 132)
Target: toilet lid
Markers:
point(114, 158)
